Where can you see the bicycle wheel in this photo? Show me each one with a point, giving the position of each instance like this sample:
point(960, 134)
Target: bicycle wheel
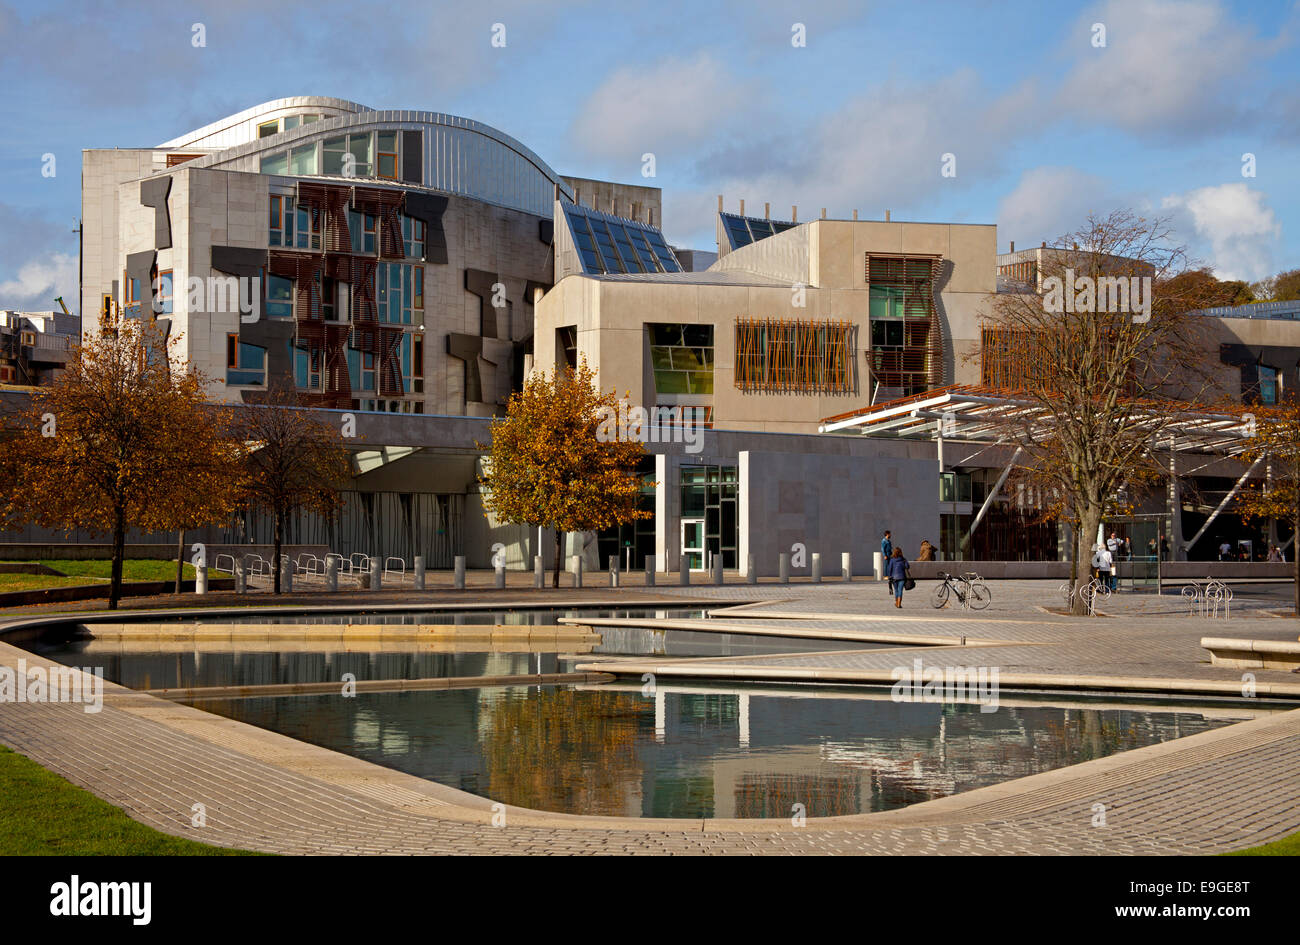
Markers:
point(940, 596)
point(979, 597)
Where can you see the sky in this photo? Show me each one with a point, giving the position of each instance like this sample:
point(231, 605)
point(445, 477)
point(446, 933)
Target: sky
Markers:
point(1040, 113)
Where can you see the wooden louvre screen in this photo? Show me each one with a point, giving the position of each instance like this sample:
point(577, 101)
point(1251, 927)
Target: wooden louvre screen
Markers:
point(920, 362)
point(801, 357)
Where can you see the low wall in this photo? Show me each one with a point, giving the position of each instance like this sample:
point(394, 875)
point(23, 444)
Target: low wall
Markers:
point(1060, 570)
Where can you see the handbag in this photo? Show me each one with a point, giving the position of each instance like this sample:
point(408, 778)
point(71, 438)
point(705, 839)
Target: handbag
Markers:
point(909, 583)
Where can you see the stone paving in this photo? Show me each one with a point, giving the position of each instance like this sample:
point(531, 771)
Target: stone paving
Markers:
point(1224, 789)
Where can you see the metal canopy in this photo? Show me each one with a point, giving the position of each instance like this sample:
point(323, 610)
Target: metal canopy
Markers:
point(981, 414)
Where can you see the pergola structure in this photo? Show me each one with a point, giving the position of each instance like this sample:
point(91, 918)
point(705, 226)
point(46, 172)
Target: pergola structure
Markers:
point(983, 415)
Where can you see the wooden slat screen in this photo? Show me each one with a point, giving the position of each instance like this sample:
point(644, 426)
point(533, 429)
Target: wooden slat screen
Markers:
point(804, 357)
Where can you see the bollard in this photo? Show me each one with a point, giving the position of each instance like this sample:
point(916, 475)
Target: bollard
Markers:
point(577, 570)
point(201, 579)
point(419, 572)
point(684, 571)
point(500, 576)
point(878, 560)
point(751, 570)
point(846, 567)
point(241, 576)
point(816, 567)
point(717, 570)
point(376, 574)
point(649, 570)
point(332, 574)
point(286, 574)
point(784, 567)
point(460, 572)
point(613, 570)
point(539, 572)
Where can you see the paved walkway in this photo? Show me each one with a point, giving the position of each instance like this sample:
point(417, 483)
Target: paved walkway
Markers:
point(1223, 789)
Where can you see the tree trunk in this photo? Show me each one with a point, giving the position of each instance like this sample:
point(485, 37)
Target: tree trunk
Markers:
point(559, 556)
point(180, 559)
point(1089, 522)
point(119, 555)
point(279, 540)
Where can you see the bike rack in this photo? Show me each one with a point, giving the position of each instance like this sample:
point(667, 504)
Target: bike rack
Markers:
point(401, 573)
point(217, 564)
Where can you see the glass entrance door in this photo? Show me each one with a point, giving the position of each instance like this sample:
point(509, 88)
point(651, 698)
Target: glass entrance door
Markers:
point(693, 542)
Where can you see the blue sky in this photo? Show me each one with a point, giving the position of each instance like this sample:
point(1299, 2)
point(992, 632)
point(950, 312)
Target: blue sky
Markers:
point(1045, 126)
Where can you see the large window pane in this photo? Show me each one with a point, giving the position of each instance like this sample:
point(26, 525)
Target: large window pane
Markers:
point(275, 163)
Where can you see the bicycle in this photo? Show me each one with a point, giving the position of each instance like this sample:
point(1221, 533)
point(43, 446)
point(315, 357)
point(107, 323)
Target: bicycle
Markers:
point(971, 591)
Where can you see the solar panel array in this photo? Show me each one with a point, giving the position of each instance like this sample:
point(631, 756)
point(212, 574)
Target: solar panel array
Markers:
point(609, 244)
point(742, 231)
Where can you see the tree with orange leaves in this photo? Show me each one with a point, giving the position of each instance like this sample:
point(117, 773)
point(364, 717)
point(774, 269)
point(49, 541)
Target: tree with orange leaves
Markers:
point(1276, 440)
point(123, 439)
point(549, 465)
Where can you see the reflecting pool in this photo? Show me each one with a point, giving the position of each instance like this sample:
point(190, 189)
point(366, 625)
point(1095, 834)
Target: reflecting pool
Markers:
point(711, 750)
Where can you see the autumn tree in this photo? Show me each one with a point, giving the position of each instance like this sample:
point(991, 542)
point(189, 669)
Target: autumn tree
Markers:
point(122, 440)
point(1097, 365)
point(550, 465)
point(293, 462)
point(1276, 442)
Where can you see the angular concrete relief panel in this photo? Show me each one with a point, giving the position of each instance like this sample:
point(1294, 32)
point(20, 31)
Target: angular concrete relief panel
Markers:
point(153, 193)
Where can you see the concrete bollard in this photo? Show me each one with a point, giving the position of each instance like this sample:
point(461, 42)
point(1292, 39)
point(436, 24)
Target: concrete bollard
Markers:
point(286, 574)
point(751, 570)
point(460, 572)
point(717, 570)
point(539, 572)
point(419, 572)
point(816, 567)
point(201, 579)
point(783, 567)
point(684, 571)
point(500, 576)
point(376, 574)
point(332, 575)
point(241, 576)
point(649, 570)
point(846, 567)
point(878, 562)
point(577, 570)
point(613, 570)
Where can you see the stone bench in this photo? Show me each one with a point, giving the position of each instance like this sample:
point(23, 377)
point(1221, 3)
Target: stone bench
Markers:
point(1253, 654)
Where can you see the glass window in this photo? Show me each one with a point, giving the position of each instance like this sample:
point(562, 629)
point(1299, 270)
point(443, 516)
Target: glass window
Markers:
point(303, 160)
point(163, 293)
point(290, 122)
point(1268, 385)
point(310, 119)
point(682, 358)
point(359, 148)
point(886, 301)
point(332, 150)
point(268, 128)
point(279, 297)
point(275, 163)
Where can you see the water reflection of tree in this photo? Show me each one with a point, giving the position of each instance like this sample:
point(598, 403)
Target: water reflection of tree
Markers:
point(554, 748)
point(774, 795)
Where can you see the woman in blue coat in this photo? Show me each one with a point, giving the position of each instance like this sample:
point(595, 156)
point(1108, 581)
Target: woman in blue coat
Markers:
point(897, 571)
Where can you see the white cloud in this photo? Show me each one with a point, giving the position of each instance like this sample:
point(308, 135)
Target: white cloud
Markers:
point(39, 282)
point(1050, 202)
point(1236, 225)
point(1167, 66)
point(662, 109)
point(882, 149)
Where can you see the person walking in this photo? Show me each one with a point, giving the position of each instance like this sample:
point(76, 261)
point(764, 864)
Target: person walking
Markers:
point(898, 575)
point(1104, 563)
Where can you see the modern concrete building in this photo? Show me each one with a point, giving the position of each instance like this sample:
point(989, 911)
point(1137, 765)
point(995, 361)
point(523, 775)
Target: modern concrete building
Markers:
point(34, 346)
point(413, 268)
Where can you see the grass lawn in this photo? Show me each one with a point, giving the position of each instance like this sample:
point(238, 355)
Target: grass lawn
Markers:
point(42, 814)
point(1287, 846)
point(93, 572)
